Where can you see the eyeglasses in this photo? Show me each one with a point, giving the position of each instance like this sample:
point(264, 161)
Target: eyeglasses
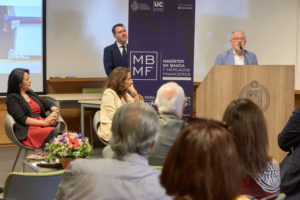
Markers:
point(194, 120)
point(239, 38)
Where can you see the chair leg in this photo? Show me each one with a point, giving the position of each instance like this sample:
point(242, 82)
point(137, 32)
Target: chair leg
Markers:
point(17, 158)
point(91, 130)
point(25, 157)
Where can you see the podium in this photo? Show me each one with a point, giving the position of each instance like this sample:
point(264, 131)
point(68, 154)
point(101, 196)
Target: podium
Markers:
point(270, 86)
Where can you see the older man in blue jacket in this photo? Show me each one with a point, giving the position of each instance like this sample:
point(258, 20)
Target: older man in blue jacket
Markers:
point(238, 55)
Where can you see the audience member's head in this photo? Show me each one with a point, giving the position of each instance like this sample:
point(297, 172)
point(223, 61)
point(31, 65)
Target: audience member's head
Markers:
point(15, 79)
point(202, 163)
point(117, 80)
point(170, 98)
point(133, 129)
point(248, 128)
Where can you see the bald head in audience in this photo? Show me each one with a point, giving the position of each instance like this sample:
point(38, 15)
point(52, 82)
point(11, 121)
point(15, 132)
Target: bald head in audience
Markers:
point(170, 99)
point(170, 102)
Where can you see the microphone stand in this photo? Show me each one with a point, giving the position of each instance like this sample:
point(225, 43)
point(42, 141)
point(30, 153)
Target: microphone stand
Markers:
point(245, 58)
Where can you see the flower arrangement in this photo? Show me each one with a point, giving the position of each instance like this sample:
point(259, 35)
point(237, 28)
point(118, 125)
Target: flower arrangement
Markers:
point(69, 145)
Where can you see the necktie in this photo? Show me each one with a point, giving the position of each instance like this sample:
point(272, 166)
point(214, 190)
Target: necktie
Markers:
point(124, 53)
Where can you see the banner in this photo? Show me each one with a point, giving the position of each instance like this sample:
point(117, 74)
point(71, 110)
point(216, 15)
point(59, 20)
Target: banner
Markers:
point(161, 46)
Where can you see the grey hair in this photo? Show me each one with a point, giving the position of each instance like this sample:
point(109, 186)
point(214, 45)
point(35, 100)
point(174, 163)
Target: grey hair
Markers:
point(170, 98)
point(134, 127)
point(233, 32)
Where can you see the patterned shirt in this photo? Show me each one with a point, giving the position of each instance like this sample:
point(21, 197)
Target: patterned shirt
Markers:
point(265, 186)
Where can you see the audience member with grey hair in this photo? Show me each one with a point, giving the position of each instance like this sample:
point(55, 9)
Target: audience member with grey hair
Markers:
point(170, 102)
point(134, 128)
point(170, 98)
point(127, 175)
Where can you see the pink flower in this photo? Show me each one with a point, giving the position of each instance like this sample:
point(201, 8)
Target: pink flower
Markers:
point(74, 143)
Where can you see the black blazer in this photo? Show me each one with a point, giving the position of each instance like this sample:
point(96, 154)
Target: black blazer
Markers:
point(19, 109)
point(290, 166)
point(112, 58)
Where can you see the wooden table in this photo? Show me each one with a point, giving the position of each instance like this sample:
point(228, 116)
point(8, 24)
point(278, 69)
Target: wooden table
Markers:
point(71, 100)
point(95, 104)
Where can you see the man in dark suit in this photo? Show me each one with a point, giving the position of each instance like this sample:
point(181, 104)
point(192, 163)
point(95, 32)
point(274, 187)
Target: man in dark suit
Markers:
point(115, 55)
point(289, 141)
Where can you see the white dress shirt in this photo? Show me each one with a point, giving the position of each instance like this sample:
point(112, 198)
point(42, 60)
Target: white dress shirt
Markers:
point(238, 60)
point(121, 48)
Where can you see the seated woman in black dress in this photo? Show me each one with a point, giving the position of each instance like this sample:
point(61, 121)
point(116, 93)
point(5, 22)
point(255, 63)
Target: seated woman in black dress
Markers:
point(33, 128)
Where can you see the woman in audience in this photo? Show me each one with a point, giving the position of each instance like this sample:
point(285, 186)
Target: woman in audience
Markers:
point(118, 85)
point(202, 164)
point(289, 140)
point(248, 128)
point(33, 128)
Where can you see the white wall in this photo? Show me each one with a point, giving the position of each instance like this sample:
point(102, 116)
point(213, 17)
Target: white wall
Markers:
point(78, 30)
point(297, 70)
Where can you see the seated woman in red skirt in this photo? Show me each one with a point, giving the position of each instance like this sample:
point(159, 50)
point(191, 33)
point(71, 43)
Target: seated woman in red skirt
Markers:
point(33, 128)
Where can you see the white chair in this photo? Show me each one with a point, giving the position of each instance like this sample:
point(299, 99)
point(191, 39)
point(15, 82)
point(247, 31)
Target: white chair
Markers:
point(9, 130)
point(96, 124)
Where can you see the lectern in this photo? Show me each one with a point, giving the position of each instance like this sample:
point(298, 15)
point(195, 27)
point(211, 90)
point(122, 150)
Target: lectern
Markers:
point(270, 86)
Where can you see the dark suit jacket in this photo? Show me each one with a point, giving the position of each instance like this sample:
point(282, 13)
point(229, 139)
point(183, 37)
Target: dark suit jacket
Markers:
point(290, 166)
point(19, 109)
point(112, 58)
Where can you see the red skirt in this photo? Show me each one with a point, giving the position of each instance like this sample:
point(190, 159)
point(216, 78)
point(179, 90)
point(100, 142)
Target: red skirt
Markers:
point(37, 135)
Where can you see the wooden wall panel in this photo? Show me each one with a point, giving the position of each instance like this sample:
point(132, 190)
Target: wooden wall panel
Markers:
point(297, 98)
point(3, 138)
point(73, 85)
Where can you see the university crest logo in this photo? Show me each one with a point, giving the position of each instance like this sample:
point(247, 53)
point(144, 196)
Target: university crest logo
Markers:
point(257, 93)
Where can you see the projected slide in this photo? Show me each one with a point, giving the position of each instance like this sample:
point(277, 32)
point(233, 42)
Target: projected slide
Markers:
point(21, 40)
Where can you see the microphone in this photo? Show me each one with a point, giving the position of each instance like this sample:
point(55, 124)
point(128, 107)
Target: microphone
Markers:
point(245, 59)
